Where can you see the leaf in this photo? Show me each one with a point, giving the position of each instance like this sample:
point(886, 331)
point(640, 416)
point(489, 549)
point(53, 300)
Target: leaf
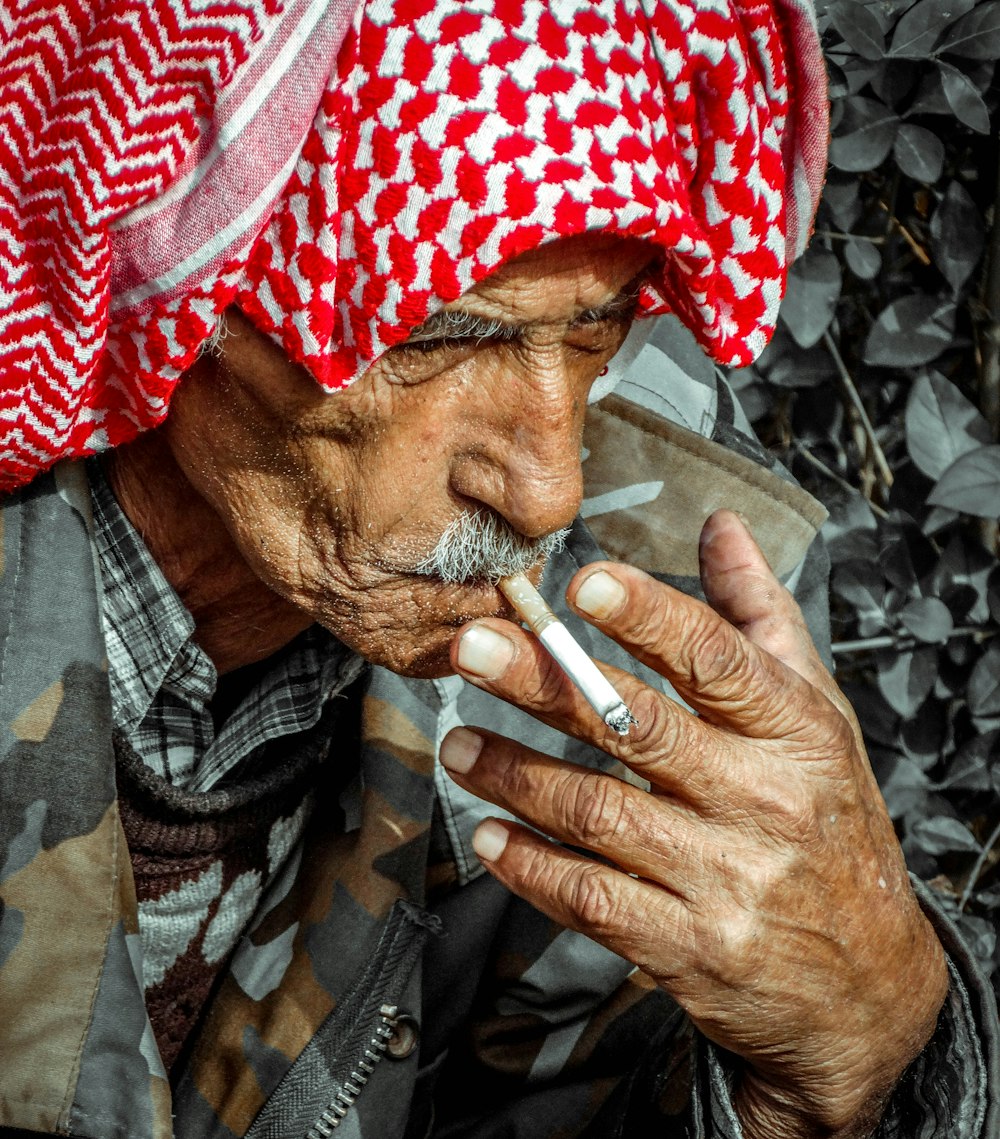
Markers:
point(906, 679)
point(958, 235)
point(941, 424)
point(919, 153)
point(801, 368)
point(942, 834)
point(969, 768)
point(923, 736)
point(813, 291)
point(859, 28)
point(861, 585)
point(863, 259)
point(895, 80)
point(905, 554)
point(851, 529)
point(866, 133)
point(912, 330)
point(904, 786)
point(963, 98)
point(977, 34)
point(840, 196)
point(971, 484)
point(879, 722)
point(993, 594)
point(983, 691)
point(928, 619)
point(962, 576)
point(921, 27)
point(980, 936)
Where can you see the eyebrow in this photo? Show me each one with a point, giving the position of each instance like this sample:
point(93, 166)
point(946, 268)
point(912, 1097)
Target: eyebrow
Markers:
point(461, 325)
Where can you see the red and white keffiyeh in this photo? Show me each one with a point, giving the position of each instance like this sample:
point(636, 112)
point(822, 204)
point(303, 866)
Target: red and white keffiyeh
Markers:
point(341, 171)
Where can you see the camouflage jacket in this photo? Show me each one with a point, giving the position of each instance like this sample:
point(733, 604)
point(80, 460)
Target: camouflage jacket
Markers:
point(386, 987)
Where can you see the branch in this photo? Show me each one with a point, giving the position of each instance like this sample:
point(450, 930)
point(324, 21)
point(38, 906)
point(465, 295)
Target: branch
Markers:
point(803, 450)
point(989, 370)
point(852, 394)
point(905, 644)
point(977, 870)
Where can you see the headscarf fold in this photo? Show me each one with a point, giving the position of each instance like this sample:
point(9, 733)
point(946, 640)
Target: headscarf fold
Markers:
point(341, 171)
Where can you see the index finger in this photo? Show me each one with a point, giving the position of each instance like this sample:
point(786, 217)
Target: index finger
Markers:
point(714, 667)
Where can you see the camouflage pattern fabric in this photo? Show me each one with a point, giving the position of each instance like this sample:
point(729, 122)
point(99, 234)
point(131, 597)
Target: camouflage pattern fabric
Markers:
point(386, 987)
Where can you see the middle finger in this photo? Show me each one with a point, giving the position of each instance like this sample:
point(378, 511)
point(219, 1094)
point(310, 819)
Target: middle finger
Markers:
point(669, 746)
point(643, 834)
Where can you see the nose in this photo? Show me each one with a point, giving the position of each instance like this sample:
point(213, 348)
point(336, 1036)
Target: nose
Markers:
point(525, 464)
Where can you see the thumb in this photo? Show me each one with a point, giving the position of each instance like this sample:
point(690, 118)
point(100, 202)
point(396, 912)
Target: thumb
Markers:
point(740, 586)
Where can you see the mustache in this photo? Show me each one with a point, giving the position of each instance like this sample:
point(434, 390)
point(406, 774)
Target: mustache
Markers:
point(482, 547)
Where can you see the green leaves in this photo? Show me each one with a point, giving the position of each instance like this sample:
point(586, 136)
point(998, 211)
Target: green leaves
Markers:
point(911, 331)
point(971, 484)
point(941, 424)
point(976, 35)
point(922, 26)
point(874, 393)
point(928, 619)
point(958, 235)
point(942, 835)
point(813, 291)
point(919, 153)
point(865, 134)
point(963, 98)
point(859, 27)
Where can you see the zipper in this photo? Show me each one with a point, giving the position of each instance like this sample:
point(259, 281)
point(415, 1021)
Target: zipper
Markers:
point(347, 1095)
point(324, 1083)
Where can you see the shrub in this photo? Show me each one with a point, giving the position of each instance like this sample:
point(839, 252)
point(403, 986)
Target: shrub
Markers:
point(881, 391)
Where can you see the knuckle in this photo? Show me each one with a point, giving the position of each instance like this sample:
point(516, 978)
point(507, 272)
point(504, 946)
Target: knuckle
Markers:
point(718, 658)
point(596, 809)
point(736, 950)
point(516, 782)
point(594, 900)
point(798, 823)
point(660, 728)
point(785, 811)
point(540, 682)
point(651, 623)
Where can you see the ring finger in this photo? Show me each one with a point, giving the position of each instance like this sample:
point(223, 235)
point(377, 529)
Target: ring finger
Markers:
point(649, 835)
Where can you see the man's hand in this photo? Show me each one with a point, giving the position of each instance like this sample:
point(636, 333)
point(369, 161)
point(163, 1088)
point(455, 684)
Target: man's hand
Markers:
point(759, 880)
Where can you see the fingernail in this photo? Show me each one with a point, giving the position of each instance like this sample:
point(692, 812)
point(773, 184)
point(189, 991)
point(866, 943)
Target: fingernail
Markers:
point(484, 652)
point(489, 840)
point(601, 595)
point(721, 520)
point(460, 749)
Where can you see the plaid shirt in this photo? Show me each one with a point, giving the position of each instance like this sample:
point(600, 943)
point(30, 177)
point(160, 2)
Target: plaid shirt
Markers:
point(163, 684)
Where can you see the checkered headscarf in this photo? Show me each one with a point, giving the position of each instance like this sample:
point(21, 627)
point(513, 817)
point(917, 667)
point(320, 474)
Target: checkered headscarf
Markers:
point(340, 171)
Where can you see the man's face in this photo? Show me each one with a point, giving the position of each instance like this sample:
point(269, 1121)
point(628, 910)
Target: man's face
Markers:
point(336, 500)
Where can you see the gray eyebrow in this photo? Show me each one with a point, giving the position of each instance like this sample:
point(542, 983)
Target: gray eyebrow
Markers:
point(460, 325)
point(452, 323)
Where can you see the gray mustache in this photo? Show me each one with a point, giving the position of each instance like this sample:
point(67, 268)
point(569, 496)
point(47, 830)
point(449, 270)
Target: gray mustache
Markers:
point(482, 547)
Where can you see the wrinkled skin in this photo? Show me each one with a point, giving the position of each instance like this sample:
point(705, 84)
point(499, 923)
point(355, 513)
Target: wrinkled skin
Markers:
point(326, 502)
point(759, 881)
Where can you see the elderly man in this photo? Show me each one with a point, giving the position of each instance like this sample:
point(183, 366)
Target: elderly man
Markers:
point(241, 895)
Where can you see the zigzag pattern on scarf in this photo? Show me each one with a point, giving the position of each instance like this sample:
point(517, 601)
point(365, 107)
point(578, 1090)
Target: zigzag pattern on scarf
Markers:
point(100, 104)
point(146, 144)
point(457, 137)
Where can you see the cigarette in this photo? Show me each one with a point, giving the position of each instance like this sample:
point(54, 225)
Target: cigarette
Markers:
point(596, 688)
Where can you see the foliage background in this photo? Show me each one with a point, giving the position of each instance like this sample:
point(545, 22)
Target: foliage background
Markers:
point(881, 392)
